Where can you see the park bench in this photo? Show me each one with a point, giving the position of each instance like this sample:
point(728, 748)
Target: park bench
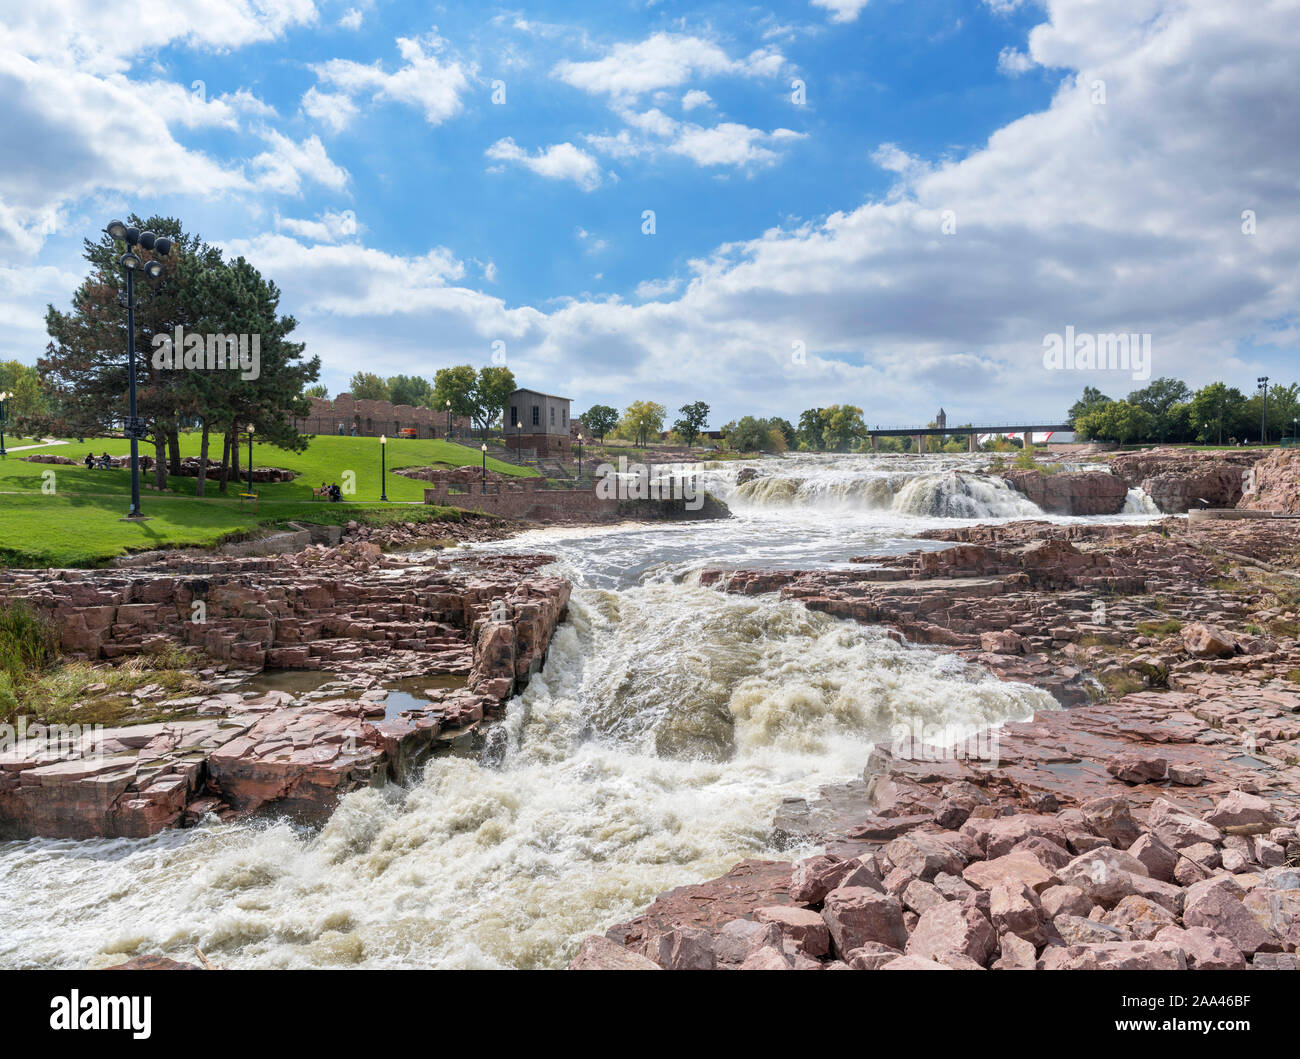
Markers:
point(248, 498)
point(323, 493)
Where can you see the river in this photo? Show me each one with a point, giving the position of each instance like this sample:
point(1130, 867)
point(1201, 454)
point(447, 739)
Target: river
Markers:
point(653, 749)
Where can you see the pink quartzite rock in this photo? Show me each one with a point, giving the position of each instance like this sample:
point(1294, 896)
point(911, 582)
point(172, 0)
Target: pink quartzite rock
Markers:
point(1208, 641)
point(1158, 859)
point(1138, 766)
point(812, 879)
point(1221, 912)
point(804, 928)
point(913, 963)
point(1019, 867)
point(1115, 956)
point(1016, 909)
point(601, 954)
point(683, 949)
point(1240, 809)
point(856, 916)
point(1204, 950)
point(924, 855)
point(953, 928)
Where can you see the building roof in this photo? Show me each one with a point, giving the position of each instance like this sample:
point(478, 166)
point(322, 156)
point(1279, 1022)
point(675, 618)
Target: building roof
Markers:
point(539, 393)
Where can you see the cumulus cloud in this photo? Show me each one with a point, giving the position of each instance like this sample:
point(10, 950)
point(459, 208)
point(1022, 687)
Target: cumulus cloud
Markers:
point(842, 10)
point(1013, 62)
point(332, 109)
point(331, 226)
point(423, 81)
point(284, 166)
point(559, 161)
point(663, 60)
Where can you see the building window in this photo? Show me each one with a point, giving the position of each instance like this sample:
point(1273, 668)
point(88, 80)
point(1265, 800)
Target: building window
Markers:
point(564, 416)
point(537, 416)
point(514, 416)
point(552, 415)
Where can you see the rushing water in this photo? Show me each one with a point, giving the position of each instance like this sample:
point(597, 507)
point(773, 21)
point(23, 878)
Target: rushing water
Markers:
point(653, 749)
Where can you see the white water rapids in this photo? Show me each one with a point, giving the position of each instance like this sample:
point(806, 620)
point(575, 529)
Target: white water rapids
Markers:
point(668, 723)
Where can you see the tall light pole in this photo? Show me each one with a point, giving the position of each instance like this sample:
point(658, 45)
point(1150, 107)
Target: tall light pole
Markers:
point(4, 418)
point(519, 440)
point(483, 482)
point(579, 457)
point(1263, 412)
point(449, 420)
point(250, 458)
point(383, 468)
point(131, 263)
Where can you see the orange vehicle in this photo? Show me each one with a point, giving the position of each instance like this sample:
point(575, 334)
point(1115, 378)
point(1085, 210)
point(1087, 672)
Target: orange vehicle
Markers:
point(408, 432)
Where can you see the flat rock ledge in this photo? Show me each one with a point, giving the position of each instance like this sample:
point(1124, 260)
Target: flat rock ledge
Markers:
point(1156, 831)
point(486, 621)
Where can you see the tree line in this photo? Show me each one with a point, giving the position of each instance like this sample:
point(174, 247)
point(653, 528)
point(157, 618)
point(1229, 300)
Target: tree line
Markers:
point(1168, 410)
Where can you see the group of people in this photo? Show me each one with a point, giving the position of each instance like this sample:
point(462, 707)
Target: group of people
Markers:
point(333, 492)
point(104, 462)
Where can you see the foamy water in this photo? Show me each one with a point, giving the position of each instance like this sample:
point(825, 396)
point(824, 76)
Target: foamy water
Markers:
point(668, 724)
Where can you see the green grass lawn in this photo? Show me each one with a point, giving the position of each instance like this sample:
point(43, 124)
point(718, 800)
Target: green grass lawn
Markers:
point(72, 518)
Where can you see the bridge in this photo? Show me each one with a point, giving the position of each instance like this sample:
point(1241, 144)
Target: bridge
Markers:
point(1027, 430)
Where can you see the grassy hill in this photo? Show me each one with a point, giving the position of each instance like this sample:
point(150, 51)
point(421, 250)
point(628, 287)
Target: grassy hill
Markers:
point(56, 515)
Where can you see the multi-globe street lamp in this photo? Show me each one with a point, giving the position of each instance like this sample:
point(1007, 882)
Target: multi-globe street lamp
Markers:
point(4, 418)
point(131, 263)
point(1263, 412)
point(383, 468)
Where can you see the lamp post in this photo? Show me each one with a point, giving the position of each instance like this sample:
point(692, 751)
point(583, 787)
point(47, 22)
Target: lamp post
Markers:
point(483, 482)
point(383, 468)
point(449, 420)
point(131, 263)
point(1263, 412)
point(519, 440)
point(4, 418)
point(250, 457)
point(579, 457)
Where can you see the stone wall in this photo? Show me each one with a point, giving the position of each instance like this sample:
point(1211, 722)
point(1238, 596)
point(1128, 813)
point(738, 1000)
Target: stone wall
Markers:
point(372, 418)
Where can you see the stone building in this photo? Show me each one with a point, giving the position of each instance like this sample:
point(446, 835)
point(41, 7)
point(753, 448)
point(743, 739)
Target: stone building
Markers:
point(345, 415)
point(538, 421)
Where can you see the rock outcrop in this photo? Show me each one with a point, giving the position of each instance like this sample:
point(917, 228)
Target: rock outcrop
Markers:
point(1179, 480)
point(1071, 492)
point(1276, 483)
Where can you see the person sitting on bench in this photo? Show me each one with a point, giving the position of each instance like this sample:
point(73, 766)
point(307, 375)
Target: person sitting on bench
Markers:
point(106, 462)
point(90, 461)
point(335, 493)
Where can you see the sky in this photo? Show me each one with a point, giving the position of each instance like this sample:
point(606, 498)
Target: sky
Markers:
point(767, 207)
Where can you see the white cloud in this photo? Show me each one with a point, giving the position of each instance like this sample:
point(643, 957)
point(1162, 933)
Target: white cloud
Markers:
point(1013, 62)
point(653, 289)
point(332, 109)
point(842, 10)
point(696, 98)
point(731, 144)
point(283, 167)
point(97, 38)
point(423, 81)
point(560, 161)
point(663, 60)
point(330, 226)
point(352, 18)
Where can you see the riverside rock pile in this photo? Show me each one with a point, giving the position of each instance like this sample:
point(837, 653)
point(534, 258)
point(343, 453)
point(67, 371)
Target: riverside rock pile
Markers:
point(351, 610)
point(1154, 831)
point(1179, 480)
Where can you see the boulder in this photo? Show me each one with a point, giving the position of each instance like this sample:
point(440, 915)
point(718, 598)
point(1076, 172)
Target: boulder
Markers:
point(1208, 641)
point(857, 915)
point(1240, 809)
point(1115, 956)
point(1204, 950)
point(601, 954)
point(1021, 867)
point(804, 929)
point(953, 927)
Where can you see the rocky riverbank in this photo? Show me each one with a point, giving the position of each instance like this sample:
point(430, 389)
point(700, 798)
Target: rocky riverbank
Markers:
point(1153, 824)
point(475, 627)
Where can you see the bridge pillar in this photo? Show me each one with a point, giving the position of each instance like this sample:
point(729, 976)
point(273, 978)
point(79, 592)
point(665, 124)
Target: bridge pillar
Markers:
point(874, 440)
point(1028, 439)
point(919, 443)
point(974, 441)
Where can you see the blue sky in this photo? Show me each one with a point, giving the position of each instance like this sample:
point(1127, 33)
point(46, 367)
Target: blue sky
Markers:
point(948, 191)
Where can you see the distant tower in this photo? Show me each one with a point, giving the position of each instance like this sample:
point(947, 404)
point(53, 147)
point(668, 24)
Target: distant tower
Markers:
point(941, 420)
